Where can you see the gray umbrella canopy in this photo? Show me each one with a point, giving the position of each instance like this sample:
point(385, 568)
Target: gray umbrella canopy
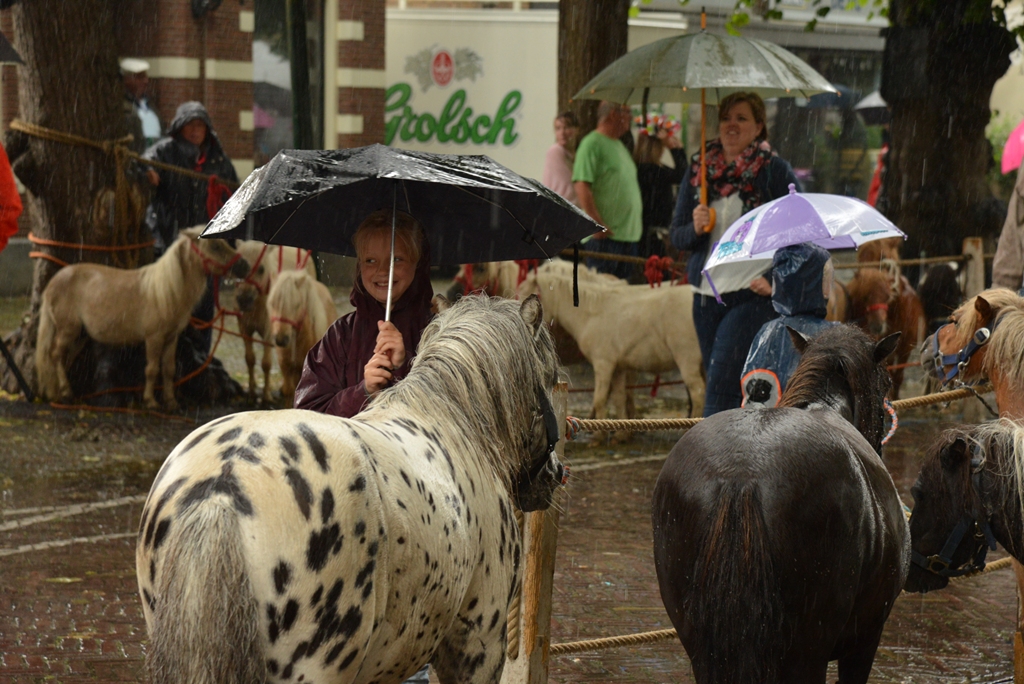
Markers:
point(676, 69)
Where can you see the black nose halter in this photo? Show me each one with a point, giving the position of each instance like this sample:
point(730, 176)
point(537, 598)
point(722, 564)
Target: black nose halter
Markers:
point(547, 413)
point(940, 563)
point(959, 360)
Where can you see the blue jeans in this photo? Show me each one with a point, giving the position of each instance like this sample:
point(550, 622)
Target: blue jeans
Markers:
point(619, 269)
point(725, 333)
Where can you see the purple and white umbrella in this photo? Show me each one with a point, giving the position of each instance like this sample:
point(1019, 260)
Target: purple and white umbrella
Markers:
point(746, 248)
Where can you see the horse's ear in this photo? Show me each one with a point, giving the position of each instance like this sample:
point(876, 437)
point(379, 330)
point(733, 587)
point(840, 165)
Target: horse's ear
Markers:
point(983, 308)
point(954, 455)
point(439, 303)
point(800, 341)
point(194, 232)
point(886, 346)
point(532, 312)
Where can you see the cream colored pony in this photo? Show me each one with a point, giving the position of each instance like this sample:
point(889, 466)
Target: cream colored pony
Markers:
point(267, 262)
point(622, 328)
point(301, 309)
point(114, 306)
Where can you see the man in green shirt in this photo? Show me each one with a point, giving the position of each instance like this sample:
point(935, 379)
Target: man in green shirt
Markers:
point(604, 177)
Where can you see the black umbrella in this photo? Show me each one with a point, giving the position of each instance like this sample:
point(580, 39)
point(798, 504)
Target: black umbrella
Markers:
point(472, 209)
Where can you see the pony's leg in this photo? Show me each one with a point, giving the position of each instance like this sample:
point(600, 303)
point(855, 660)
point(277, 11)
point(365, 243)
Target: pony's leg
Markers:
point(619, 397)
point(154, 363)
point(692, 373)
point(61, 354)
point(268, 352)
point(603, 373)
point(855, 668)
point(167, 359)
point(250, 362)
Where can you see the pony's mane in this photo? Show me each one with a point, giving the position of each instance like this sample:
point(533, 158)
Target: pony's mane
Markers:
point(846, 352)
point(1007, 437)
point(478, 364)
point(163, 282)
point(294, 293)
point(867, 282)
point(1005, 350)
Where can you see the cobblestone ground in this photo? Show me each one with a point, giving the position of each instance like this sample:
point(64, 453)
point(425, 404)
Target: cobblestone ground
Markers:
point(72, 483)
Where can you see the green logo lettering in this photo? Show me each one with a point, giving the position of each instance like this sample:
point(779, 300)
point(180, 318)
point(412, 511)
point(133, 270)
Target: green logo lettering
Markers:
point(456, 122)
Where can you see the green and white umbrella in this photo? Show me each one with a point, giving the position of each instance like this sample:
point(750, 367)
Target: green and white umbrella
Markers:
point(704, 67)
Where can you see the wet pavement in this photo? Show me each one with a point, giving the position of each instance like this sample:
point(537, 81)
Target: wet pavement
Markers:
point(72, 485)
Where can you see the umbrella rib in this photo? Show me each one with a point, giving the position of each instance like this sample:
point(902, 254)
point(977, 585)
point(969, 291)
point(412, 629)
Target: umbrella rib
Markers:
point(296, 209)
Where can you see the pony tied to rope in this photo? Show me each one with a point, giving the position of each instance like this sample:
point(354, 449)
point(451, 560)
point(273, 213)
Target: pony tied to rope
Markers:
point(296, 546)
point(621, 328)
point(968, 496)
point(300, 310)
point(779, 538)
point(151, 304)
point(267, 262)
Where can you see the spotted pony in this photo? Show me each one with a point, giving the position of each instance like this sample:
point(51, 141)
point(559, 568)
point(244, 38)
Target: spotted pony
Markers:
point(291, 546)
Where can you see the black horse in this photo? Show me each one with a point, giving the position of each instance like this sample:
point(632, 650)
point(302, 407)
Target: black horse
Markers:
point(967, 497)
point(779, 538)
point(940, 295)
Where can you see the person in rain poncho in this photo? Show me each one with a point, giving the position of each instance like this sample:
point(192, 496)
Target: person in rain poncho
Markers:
point(180, 201)
point(801, 282)
point(361, 354)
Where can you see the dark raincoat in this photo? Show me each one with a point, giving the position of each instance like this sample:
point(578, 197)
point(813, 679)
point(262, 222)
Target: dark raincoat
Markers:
point(179, 201)
point(797, 296)
point(332, 375)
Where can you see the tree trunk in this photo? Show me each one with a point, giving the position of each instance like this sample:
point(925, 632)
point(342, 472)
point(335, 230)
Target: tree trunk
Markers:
point(591, 35)
point(69, 83)
point(937, 77)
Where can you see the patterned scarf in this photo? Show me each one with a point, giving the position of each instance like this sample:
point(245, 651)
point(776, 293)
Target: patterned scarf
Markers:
point(739, 175)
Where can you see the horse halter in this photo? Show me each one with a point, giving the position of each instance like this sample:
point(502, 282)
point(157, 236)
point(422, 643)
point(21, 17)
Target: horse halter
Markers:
point(223, 268)
point(547, 414)
point(960, 359)
point(297, 324)
point(939, 564)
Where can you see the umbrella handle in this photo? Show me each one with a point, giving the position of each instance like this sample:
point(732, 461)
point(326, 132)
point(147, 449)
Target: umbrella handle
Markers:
point(703, 163)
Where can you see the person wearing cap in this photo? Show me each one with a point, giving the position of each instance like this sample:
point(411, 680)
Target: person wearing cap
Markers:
point(801, 284)
point(144, 123)
point(181, 201)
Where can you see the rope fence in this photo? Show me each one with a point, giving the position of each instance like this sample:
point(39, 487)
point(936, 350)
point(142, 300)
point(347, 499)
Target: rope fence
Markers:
point(670, 634)
point(577, 425)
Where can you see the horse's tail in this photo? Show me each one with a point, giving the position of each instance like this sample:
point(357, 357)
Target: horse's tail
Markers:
point(737, 604)
point(206, 625)
point(47, 381)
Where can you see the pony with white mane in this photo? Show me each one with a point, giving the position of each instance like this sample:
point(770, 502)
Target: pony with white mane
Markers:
point(622, 328)
point(296, 546)
point(151, 304)
point(300, 310)
point(268, 261)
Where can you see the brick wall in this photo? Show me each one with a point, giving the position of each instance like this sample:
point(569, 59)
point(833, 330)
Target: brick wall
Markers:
point(365, 54)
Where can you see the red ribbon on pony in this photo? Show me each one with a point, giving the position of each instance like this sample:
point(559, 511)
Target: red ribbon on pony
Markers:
point(524, 269)
point(654, 269)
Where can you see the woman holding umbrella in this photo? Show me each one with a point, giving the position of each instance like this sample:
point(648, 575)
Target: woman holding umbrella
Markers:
point(742, 173)
point(361, 353)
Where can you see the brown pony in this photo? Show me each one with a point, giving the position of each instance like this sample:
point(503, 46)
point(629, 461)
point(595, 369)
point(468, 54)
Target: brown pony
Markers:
point(300, 311)
point(881, 301)
point(267, 261)
point(151, 304)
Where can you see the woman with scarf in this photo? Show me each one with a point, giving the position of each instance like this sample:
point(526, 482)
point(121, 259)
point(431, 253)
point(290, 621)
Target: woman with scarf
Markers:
point(361, 353)
point(742, 173)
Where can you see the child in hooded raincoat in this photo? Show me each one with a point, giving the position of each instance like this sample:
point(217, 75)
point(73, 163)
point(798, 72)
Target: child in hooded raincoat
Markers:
point(801, 282)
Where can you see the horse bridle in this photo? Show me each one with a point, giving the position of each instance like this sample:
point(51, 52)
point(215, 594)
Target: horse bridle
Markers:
point(546, 412)
point(224, 268)
point(959, 360)
point(939, 563)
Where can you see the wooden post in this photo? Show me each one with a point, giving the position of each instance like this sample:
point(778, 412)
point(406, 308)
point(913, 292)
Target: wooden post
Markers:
point(540, 541)
point(973, 411)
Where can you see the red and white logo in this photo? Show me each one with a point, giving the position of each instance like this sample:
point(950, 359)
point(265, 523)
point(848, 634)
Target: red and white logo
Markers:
point(442, 68)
